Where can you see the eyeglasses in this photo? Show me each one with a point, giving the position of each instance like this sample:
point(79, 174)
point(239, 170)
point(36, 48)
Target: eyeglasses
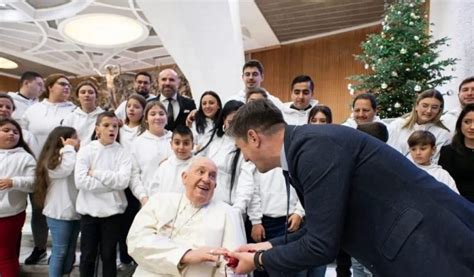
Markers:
point(64, 84)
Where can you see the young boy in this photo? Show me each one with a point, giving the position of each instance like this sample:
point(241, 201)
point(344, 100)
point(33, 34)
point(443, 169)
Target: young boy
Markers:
point(422, 146)
point(168, 176)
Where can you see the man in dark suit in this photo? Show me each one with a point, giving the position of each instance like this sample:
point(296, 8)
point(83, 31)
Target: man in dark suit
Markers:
point(178, 107)
point(359, 195)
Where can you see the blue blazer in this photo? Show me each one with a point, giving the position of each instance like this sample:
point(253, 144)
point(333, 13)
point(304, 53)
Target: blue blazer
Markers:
point(364, 197)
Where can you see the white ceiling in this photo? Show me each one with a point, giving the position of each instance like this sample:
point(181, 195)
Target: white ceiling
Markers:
point(28, 32)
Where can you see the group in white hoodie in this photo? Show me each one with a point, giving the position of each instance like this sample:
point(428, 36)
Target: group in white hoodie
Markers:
point(16, 181)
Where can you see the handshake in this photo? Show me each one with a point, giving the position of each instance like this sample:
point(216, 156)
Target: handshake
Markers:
point(244, 259)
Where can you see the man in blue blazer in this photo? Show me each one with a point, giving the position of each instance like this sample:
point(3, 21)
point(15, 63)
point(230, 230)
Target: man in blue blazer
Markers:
point(359, 195)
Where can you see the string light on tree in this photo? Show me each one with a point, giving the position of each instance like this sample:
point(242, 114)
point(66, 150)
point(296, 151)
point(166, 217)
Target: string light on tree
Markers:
point(403, 58)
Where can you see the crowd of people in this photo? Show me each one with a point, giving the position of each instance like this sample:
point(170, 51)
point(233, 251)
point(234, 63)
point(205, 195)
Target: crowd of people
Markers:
point(166, 174)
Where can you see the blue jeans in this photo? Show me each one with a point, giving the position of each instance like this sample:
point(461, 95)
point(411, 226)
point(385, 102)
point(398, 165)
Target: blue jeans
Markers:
point(64, 234)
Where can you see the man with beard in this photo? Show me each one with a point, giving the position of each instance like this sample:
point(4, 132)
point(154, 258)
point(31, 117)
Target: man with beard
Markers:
point(178, 107)
point(142, 86)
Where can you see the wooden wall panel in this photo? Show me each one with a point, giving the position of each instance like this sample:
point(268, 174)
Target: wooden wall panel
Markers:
point(328, 60)
point(9, 84)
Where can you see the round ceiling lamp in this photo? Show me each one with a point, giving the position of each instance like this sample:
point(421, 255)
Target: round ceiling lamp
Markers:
point(103, 30)
point(7, 64)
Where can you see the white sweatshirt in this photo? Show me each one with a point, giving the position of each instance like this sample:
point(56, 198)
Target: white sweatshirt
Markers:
point(121, 110)
point(102, 194)
point(83, 122)
point(41, 118)
point(201, 140)
point(21, 105)
point(148, 151)
point(167, 178)
point(297, 117)
point(18, 165)
point(270, 198)
point(398, 136)
point(127, 136)
point(221, 151)
point(60, 201)
point(440, 174)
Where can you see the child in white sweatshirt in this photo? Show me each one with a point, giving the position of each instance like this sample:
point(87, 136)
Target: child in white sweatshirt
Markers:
point(83, 118)
point(102, 172)
point(152, 146)
point(168, 176)
point(17, 167)
point(56, 193)
point(422, 146)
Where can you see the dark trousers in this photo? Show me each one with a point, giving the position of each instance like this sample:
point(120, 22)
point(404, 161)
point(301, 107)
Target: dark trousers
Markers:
point(99, 234)
point(39, 226)
point(132, 209)
point(275, 227)
point(343, 264)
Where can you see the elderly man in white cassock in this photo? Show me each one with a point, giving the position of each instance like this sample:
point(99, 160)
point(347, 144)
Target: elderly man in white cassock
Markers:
point(182, 234)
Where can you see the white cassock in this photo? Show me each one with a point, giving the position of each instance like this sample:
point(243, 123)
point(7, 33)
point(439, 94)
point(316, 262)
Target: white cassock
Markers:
point(168, 226)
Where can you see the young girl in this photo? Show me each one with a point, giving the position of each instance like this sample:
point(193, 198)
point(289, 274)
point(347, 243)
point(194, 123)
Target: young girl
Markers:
point(425, 116)
point(235, 176)
point(209, 108)
point(134, 116)
point(17, 169)
point(56, 193)
point(152, 146)
point(83, 118)
point(102, 172)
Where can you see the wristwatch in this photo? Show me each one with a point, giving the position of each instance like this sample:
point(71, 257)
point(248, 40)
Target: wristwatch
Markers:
point(256, 260)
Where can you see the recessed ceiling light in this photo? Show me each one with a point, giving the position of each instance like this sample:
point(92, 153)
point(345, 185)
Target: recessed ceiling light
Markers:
point(7, 64)
point(103, 30)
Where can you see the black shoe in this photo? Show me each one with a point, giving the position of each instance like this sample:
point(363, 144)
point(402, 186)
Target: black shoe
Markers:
point(36, 256)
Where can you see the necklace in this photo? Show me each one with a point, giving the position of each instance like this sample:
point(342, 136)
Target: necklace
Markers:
point(176, 216)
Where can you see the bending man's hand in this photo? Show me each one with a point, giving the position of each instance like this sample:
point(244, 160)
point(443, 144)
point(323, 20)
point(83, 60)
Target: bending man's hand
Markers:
point(246, 264)
point(252, 247)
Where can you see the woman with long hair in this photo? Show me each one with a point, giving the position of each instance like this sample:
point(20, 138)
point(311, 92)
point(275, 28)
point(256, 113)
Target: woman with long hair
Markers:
point(206, 116)
point(425, 116)
point(235, 176)
point(458, 157)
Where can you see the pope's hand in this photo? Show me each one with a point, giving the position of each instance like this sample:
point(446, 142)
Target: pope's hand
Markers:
point(202, 254)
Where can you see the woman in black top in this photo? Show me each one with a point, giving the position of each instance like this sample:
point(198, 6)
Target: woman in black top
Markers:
point(458, 157)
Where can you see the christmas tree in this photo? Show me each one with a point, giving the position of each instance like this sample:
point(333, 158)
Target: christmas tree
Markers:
point(402, 60)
